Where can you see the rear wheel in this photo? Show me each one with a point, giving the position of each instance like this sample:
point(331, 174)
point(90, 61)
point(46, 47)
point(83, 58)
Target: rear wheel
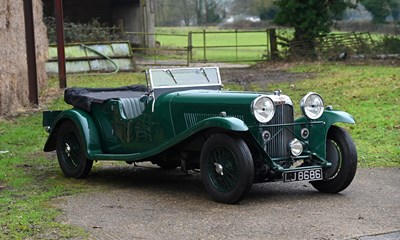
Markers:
point(227, 168)
point(70, 153)
point(341, 152)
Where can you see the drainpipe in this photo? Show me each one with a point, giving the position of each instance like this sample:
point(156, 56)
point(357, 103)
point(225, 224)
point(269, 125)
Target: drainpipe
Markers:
point(31, 52)
point(58, 9)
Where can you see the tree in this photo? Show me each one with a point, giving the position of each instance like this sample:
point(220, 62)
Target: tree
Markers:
point(380, 9)
point(209, 11)
point(309, 19)
point(188, 12)
point(265, 9)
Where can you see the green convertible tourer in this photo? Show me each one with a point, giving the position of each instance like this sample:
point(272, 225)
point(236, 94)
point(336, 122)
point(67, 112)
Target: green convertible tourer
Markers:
point(183, 118)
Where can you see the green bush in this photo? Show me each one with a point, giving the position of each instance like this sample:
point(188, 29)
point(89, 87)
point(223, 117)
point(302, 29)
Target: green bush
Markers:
point(390, 44)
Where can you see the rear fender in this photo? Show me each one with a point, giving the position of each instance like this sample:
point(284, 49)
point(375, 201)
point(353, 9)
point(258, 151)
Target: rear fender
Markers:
point(87, 130)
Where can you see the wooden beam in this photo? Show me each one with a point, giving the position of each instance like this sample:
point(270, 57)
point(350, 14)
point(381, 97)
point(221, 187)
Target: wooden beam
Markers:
point(31, 52)
point(62, 75)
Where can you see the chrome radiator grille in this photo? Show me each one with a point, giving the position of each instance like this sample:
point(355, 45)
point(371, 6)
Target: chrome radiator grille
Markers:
point(277, 146)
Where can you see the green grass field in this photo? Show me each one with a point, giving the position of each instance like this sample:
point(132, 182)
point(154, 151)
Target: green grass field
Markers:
point(30, 179)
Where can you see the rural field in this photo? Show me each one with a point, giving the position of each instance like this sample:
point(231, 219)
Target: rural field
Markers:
point(221, 45)
point(212, 44)
point(30, 178)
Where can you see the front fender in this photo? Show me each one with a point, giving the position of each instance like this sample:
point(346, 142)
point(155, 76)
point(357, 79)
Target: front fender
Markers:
point(319, 130)
point(329, 117)
point(228, 123)
point(86, 127)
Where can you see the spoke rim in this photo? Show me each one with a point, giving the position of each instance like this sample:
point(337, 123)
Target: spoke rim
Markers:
point(334, 156)
point(71, 150)
point(225, 158)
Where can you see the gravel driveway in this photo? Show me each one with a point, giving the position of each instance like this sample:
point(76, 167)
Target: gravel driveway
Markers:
point(150, 203)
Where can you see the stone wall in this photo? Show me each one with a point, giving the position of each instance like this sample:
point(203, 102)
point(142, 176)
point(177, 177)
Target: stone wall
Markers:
point(13, 63)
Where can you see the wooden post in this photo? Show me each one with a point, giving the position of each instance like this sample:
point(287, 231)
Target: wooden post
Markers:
point(273, 43)
point(204, 46)
point(236, 44)
point(189, 49)
point(31, 52)
point(58, 8)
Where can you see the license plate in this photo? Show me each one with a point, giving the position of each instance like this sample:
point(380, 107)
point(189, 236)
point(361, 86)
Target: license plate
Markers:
point(303, 175)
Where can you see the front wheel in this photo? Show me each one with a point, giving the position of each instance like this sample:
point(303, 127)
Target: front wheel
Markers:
point(227, 169)
point(341, 152)
point(70, 153)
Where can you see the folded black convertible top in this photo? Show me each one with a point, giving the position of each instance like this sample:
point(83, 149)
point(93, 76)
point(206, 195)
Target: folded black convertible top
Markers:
point(84, 97)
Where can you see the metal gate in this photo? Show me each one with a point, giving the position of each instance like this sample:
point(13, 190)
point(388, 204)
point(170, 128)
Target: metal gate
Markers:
point(229, 46)
point(204, 46)
point(163, 49)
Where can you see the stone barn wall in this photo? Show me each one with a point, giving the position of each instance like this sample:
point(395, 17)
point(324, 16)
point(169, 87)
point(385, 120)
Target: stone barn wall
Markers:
point(13, 63)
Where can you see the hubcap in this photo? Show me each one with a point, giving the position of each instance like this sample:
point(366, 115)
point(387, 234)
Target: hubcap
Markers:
point(67, 150)
point(219, 169)
point(71, 150)
point(223, 169)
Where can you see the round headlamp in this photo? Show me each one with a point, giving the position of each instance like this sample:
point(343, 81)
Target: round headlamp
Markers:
point(296, 147)
point(263, 109)
point(312, 105)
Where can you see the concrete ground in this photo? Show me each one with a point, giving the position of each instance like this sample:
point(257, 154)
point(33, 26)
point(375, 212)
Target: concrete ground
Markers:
point(149, 203)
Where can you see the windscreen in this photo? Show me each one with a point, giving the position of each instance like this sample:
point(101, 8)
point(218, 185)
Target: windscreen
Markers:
point(183, 77)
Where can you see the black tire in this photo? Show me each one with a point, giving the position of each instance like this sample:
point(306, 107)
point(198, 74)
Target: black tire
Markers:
point(70, 153)
point(227, 168)
point(342, 153)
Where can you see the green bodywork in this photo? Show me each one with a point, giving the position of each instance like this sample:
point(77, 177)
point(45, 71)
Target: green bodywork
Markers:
point(319, 129)
point(175, 117)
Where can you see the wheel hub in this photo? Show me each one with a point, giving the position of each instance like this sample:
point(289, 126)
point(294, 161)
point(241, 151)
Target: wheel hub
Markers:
point(219, 169)
point(67, 150)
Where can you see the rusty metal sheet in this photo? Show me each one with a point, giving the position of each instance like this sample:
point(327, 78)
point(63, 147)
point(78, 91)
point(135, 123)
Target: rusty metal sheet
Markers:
point(92, 57)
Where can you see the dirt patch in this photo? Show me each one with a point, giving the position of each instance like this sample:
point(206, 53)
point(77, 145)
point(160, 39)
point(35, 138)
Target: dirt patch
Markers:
point(257, 75)
point(261, 75)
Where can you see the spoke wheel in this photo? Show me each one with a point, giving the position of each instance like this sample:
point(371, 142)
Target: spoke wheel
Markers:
point(341, 152)
point(71, 157)
point(226, 168)
point(223, 169)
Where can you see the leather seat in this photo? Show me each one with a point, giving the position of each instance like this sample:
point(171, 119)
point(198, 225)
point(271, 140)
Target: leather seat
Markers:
point(132, 107)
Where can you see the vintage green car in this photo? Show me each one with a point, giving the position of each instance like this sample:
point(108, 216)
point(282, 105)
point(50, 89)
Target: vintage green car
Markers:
point(183, 118)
